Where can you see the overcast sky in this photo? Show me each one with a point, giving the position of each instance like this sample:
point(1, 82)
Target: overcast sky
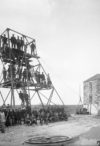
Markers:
point(67, 34)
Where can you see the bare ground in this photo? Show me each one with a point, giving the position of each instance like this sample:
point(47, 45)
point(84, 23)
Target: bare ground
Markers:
point(84, 129)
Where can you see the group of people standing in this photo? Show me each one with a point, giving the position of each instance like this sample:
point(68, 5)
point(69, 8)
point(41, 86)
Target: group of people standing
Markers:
point(17, 43)
point(14, 42)
point(25, 75)
point(12, 117)
point(12, 71)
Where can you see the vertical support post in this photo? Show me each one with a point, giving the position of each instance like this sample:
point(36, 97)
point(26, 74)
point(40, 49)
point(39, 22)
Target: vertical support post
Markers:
point(13, 99)
point(12, 86)
point(27, 78)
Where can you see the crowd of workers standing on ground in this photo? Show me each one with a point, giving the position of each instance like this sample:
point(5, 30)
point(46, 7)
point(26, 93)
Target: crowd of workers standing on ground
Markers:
point(12, 117)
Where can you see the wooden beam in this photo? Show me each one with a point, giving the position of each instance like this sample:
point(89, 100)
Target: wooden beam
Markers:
point(19, 33)
point(46, 97)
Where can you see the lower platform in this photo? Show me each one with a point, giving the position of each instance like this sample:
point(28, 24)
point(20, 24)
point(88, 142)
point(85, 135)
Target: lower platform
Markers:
point(19, 84)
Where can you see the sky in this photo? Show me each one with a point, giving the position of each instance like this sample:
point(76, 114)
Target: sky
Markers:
point(67, 34)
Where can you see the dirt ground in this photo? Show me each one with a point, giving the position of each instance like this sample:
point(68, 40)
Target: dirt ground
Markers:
point(84, 129)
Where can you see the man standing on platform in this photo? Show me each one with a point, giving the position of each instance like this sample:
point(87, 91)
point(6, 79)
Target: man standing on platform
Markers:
point(4, 40)
point(13, 41)
point(33, 47)
point(22, 43)
point(18, 43)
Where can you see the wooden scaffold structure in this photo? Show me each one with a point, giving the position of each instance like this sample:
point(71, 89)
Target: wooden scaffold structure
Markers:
point(22, 71)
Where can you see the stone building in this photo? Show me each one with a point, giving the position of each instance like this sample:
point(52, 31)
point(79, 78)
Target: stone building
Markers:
point(91, 91)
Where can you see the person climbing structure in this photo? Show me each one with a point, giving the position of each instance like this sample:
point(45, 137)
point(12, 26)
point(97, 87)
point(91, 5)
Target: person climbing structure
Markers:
point(24, 75)
point(4, 74)
point(21, 97)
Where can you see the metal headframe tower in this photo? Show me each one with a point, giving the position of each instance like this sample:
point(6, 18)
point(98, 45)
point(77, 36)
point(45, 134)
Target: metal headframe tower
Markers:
point(22, 71)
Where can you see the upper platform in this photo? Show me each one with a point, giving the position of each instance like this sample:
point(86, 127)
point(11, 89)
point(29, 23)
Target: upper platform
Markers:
point(15, 46)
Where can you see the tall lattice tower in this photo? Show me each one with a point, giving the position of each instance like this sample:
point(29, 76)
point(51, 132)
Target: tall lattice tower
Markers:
point(22, 71)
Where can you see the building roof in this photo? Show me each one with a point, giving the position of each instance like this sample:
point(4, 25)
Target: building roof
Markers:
point(95, 77)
